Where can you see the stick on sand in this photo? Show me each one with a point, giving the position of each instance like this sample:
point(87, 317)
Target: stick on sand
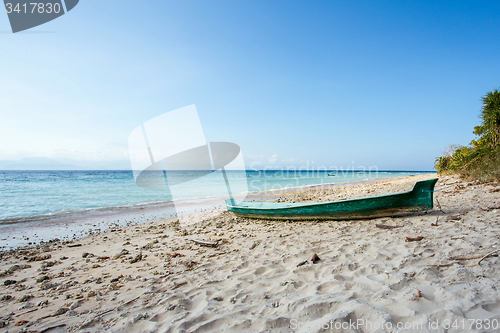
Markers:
point(484, 257)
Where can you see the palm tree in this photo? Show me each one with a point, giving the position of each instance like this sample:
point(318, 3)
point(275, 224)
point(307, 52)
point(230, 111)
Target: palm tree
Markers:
point(490, 115)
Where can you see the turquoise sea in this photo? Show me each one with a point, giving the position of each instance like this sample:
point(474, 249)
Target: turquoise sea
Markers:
point(37, 195)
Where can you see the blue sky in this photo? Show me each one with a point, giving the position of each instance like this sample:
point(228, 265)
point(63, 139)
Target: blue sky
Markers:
point(320, 83)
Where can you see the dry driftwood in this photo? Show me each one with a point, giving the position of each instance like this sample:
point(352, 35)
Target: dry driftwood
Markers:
point(216, 254)
point(385, 226)
point(204, 243)
point(439, 206)
point(20, 314)
point(469, 256)
point(445, 265)
point(484, 257)
point(104, 312)
point(120, 307)
point(414, 239)
point(458, 259)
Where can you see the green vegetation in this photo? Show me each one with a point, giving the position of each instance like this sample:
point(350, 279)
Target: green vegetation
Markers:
point(481, 158)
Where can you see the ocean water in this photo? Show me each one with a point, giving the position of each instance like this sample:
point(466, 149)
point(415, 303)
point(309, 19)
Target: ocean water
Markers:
point(38, 195)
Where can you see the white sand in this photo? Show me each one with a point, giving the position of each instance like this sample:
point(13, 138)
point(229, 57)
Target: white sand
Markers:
point(368, 279)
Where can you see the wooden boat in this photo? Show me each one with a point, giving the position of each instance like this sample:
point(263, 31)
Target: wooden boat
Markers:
point(420, 198)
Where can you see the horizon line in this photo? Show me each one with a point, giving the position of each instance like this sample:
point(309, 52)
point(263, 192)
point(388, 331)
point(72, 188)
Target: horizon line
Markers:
point(254, 170)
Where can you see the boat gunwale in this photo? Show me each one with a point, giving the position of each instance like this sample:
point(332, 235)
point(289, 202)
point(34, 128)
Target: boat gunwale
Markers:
point(305, 204)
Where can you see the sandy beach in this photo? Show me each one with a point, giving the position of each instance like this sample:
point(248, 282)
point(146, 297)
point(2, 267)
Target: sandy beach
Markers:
point(258, 276)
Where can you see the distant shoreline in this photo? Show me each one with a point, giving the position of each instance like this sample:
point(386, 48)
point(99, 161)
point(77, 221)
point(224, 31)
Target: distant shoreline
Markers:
point(148, 204)
point(251, 170)
point(23, 231)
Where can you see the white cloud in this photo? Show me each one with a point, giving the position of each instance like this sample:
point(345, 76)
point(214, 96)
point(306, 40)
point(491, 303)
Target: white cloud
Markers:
point(273, 159)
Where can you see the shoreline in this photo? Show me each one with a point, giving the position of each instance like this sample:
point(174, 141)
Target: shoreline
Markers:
point(152, 204)
point(68, 213)
point(79, 224)
point(153, 277)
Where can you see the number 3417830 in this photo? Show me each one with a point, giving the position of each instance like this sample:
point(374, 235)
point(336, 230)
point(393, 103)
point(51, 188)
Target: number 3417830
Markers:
point(33, 8)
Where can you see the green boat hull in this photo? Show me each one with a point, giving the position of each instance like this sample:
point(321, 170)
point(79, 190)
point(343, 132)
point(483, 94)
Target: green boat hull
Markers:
point(420, 198)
